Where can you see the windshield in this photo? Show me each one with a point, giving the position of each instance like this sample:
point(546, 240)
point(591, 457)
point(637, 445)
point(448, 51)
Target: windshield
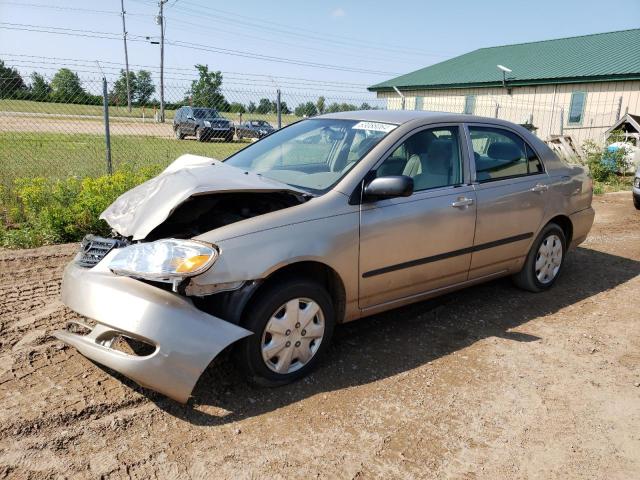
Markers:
point(205, 113)
point(312, 154)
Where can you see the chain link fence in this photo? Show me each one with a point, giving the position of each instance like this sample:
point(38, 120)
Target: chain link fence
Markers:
point(78, 123)
point(63, 125)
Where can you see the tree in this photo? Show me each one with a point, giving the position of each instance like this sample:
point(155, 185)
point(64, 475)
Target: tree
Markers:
point(66, 86)
point(40, 88)
point(205, 92)
point(118, 94)
point(251, 107)
point(264, 106)
point(11, 83)
point(144, 87)
point(341, 107)
point(320, 105)
point(307, 109)
point(236, 107)
point(284, 109)
point(366, 106)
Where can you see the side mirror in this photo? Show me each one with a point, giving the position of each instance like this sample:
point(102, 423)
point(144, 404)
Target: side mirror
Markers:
point(190, 118)
point(388, 187)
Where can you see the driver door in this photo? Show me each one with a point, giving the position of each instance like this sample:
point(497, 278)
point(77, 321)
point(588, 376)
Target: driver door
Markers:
point(412, 245)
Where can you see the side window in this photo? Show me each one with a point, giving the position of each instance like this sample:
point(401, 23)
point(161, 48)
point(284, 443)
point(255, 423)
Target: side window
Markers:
point(502, 154)
point(576, 108)
point(431, 157)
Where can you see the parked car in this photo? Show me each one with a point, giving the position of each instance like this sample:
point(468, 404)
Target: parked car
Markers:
point(202, 123)
point(325, 221)
point(254, 129)
point(636, 189)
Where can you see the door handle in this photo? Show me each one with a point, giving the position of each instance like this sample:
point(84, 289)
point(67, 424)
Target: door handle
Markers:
point(462, 202)
point(539, 187)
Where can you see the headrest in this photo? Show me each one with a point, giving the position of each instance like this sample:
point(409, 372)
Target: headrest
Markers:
point(504, 151)
point(440, 150)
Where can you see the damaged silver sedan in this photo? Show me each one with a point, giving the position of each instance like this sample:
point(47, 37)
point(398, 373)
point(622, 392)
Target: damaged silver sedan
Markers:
point(325, 221)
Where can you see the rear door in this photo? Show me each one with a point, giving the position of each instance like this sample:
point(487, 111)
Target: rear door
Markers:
point(511, 189)
point(414, 244)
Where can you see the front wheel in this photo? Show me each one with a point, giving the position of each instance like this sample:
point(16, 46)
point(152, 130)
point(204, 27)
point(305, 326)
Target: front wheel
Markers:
point(544, 261)
point(292, 323)
point(178, 133)
point(636, 202)
point(200, 136)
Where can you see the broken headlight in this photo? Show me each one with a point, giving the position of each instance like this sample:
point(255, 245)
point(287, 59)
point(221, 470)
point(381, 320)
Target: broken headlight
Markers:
point(166, 260)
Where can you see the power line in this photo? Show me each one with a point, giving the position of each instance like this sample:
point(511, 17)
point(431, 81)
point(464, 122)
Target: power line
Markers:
point(269, 25)
point(208, 48)
point(80, 62)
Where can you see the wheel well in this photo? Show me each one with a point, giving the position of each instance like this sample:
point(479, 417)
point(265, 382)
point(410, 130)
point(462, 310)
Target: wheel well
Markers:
point(319, 272)
point(565, 224)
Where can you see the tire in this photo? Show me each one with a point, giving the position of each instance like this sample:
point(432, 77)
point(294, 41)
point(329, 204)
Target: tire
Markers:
point(178, 133)
point(266, 313)
point(228, 137)
point(636, 202)
point(542, 268)
point(201, 137)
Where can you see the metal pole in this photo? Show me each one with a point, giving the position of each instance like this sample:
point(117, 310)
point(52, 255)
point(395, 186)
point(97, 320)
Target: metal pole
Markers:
point(126, 55)
point(107, 136)
point(161, 21)
point(619, 108)
point(497, 109)
point(279, 110)
point(562, 121)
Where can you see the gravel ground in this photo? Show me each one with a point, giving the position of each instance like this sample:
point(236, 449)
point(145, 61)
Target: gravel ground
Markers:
point(490, 382)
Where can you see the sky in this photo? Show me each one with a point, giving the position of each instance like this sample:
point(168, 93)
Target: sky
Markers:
point(303, 47)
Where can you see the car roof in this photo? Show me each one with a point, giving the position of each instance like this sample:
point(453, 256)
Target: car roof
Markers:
point(399, 117)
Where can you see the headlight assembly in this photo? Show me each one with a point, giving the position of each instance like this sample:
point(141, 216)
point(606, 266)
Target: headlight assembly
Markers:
point(167, 260)
point(207, 123)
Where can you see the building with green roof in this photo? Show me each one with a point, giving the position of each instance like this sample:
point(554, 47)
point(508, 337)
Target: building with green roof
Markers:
point(576, 87)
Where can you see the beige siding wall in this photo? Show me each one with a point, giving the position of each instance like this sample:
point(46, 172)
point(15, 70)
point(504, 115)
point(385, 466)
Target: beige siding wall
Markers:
point(546, 105)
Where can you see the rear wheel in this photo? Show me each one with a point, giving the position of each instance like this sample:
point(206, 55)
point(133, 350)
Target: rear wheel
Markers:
point(292, 323)
point(544, 261)
point(636, 202)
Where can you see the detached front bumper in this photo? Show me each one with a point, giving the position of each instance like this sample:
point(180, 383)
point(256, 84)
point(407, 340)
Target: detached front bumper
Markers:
point(184, 339)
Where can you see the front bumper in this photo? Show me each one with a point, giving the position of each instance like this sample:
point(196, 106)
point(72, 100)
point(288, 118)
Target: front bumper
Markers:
point(217, 131)
point(185, 339)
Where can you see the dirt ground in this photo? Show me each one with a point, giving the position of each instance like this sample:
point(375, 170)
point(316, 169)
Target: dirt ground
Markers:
point(490, 382)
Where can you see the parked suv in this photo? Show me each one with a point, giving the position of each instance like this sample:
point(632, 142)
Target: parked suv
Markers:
point(202, 123)
point(325, 221)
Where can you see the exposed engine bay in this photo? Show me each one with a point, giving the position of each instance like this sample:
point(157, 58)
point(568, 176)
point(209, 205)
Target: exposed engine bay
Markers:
point(202, 213)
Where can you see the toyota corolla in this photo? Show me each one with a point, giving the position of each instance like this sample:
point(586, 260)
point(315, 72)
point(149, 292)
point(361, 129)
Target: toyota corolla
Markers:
point(325, 221)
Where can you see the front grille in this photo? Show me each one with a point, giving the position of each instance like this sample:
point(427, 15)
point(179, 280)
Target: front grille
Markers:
point(93, 249)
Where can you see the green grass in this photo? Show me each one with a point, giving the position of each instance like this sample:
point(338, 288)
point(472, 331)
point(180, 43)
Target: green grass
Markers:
point(28, 106)
point(59, 155)
point(617, 184)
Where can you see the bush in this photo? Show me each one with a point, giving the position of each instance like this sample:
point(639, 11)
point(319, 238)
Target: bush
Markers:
point(57, 211)
point(605, 165)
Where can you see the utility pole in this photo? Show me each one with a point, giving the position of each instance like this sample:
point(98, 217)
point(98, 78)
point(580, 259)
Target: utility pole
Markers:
point(160, 21)
point(126, 55)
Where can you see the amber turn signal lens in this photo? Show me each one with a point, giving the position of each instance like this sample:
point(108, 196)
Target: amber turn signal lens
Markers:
point(192, 263)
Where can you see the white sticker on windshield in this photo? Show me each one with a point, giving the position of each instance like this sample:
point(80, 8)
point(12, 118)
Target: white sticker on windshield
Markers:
point(374, 126)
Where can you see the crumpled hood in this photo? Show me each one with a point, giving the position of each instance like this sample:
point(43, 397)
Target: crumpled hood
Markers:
point(137, 212)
